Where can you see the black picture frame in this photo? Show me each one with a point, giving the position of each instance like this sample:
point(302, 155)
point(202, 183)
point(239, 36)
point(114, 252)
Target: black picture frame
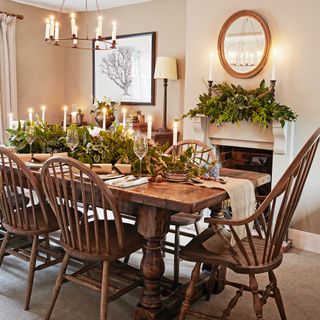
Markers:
point(103, 85)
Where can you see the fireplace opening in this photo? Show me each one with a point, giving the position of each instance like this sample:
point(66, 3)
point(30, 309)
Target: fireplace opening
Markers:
point(250, 159)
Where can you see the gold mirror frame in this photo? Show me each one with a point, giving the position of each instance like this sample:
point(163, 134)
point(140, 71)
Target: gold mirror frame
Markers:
point(221, 40)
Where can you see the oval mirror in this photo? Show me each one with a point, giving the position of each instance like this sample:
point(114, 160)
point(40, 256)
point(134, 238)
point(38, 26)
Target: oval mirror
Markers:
point(244, 44)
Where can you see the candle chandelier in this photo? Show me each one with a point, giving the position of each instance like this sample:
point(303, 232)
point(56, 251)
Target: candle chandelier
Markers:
point(100, 42)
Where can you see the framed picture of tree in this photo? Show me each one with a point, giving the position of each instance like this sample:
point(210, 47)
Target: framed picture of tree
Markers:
point(126, 73)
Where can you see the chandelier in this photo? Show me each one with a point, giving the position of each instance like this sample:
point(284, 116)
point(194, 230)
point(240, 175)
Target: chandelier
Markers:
point(100, 42)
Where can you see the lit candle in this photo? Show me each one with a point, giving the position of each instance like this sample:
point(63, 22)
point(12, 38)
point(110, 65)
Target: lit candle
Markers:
point(175, 133)
point(65, 109)
point(114, 30)
point(74, 116)
point(56, 32)
point(99, 29)
point(51, 26)
point(43, 113)
point(149, 131)
point(210, 78)
point(273, 72)
point(97, 34)
point(47, 33)
point(124, 111)
point(10, 120)
point(30, 114)
point(104, 111)
point(73, 25)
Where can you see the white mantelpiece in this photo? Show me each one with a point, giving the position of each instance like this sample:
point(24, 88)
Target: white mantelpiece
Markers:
point(248, 135)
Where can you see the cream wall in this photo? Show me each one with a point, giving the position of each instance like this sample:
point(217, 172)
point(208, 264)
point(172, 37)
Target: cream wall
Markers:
point(40, 69)
point(293, 26)
point(167, 18)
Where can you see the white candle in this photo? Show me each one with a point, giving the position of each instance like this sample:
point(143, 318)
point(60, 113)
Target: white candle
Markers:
point(175, 133)
point(273, 72)
point(52, 26)
point(74, 116)
point(47, 33)
point(149, 131)
point(10, 120)
point(99, 29)
point(43, 113)
point(104, 111)
point(73, 24)
point(210, 78)
point(56, 32)
point(30, 115)
point(97, 35)
point(124, 111)
point(114, 30)
point(65, 109)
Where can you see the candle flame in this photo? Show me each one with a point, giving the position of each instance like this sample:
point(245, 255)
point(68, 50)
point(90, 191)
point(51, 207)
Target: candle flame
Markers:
point(43, 107)
point(65, 108)
point(124, 110)
point(149, 118)
point(99, 18)
point(114, 23)
point(104, 110)
point(72, 15)
point(30, 110)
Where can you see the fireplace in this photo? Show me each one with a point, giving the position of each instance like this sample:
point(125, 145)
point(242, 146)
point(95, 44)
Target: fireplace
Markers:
point(274, 143)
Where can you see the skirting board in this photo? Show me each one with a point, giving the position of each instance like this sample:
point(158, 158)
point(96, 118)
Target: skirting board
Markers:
point(305, 240)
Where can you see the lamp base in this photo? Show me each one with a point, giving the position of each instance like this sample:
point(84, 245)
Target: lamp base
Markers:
point(164, 130)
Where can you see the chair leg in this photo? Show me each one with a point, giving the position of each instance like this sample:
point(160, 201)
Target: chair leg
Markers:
point(164, 246)
point(104, 291)
point(277, 296)
point(4, 246)
point(57, 285)
point(257, 304)
point(47, 244)
point(196, 228)
point(211, 282)
point(176, 265)
point(190, 291)
point(32, 266)
point(126, 259)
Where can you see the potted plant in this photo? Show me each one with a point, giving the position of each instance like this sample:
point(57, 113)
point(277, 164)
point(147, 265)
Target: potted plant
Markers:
point(110, 107)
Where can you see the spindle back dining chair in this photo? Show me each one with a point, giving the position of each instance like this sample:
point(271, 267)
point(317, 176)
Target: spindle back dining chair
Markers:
point(87, 234)
point(35, 219)
point(258, 252)
point(203, 155)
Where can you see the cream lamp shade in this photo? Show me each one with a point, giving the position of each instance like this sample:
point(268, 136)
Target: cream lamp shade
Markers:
point(166, 68)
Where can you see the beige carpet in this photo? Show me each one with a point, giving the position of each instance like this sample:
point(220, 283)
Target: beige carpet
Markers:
point(299, 279)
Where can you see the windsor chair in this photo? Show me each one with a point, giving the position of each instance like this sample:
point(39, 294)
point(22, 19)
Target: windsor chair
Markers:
point(88, 235)
point(256, 253)
point(19, 218)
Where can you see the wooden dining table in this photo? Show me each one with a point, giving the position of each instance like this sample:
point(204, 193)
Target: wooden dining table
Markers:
point(153, 204)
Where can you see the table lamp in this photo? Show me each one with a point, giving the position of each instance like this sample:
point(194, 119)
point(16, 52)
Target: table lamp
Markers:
point(166, 69)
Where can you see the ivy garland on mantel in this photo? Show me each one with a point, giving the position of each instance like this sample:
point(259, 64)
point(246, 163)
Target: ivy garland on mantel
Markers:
point(230, 103)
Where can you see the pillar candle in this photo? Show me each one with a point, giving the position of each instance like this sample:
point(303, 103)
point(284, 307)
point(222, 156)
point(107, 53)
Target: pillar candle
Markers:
point(210, 78)
point(99, 29)
point(149, 131)
point(104, 111)
point(73, 24)
point(10, 120)
point(30, 111)
point(124, 111)
point(52, 26)
point(56, 32)
point(47, 33)
point(273, 71)
point(43, 113)
point(74, 116)
point(175, 133)
point(114, 31)
point(65, 109)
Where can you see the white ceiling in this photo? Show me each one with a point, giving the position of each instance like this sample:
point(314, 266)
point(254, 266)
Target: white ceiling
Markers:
point(79, 5)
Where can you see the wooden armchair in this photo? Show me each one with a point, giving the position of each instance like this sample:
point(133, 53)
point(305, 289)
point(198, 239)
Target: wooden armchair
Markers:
point(87, 235)
point(20, 219)
point(256, 253)
point(182, 219)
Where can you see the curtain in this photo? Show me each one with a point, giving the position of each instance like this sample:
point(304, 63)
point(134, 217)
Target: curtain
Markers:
point(8, 77)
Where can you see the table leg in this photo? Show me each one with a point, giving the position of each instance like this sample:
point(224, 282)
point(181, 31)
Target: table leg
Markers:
point(153, 224)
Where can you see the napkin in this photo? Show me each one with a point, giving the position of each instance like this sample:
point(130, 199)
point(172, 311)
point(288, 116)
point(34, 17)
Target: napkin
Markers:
point(127, 181)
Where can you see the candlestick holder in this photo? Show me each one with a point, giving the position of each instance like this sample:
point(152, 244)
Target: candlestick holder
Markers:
point(272, 87)
point(210, 87)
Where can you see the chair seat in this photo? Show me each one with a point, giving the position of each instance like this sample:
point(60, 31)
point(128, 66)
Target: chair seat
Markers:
point(133, 242)
point(42, 228)
point(195, 251)
point(184, 219)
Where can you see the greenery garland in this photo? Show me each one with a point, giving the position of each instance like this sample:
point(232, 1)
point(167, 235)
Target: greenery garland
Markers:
point(230, 103)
